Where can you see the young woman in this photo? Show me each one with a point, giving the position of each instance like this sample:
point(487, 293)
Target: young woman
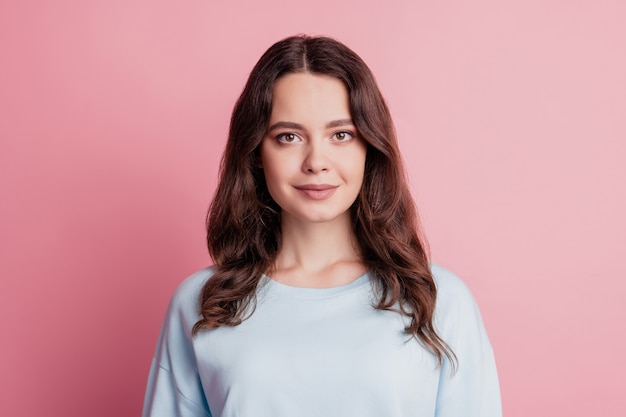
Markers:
point(321, 301)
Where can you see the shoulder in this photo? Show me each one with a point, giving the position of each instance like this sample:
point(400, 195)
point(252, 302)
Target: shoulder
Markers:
point(185, 301)
point(449, 285)
point(453, 295)
point(192, 285)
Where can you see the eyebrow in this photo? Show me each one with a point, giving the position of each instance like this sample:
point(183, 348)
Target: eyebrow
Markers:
point(298, 126)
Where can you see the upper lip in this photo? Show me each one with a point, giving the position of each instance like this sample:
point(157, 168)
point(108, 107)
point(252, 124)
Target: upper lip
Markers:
point(315, 187)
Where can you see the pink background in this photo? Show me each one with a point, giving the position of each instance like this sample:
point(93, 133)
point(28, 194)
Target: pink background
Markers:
point(113, 114)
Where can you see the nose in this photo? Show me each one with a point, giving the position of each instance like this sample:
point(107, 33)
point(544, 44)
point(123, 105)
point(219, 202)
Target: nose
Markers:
point(315, 158)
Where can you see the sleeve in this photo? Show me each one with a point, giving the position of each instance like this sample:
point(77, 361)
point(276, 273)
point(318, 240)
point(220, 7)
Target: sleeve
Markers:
point(174, 387)
point(472, 389)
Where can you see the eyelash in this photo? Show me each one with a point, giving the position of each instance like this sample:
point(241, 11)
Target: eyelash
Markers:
point(281, 138)
point(345, 132)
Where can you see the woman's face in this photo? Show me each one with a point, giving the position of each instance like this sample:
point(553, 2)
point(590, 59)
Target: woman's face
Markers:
point(312, 156)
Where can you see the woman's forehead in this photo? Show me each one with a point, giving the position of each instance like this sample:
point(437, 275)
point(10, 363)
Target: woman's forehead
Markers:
point(313, 98)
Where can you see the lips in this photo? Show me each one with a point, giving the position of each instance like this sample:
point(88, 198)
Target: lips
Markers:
point(317, 191)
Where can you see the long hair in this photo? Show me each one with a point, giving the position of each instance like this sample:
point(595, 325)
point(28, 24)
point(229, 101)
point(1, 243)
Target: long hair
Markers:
point(243, 222)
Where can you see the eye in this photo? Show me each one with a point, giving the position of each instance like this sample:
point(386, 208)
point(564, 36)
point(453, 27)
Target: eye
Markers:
point(288, 138)
point(343, 136)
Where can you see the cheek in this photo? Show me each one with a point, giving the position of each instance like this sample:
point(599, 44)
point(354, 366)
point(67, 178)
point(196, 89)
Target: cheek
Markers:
point(276, 171)
point(280, 165)
point(357, 162)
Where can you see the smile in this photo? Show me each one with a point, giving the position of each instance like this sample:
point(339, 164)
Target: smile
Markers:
point(317, 191)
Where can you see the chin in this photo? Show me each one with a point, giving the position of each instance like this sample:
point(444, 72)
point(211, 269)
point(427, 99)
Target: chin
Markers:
point(311, 216)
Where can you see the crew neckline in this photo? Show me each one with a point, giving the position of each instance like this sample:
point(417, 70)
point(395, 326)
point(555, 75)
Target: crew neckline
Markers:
point(308, 292)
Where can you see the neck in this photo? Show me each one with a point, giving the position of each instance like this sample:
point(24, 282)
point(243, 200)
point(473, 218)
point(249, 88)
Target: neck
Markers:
point(318, 254)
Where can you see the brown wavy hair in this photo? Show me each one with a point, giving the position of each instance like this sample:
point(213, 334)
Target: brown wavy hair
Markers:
point(243, 222)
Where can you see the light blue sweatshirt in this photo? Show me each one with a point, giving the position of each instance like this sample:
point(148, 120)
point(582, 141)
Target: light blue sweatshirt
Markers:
point(321, 353)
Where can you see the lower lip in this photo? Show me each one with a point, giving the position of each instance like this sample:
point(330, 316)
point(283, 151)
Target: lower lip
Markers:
point(317, 194)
